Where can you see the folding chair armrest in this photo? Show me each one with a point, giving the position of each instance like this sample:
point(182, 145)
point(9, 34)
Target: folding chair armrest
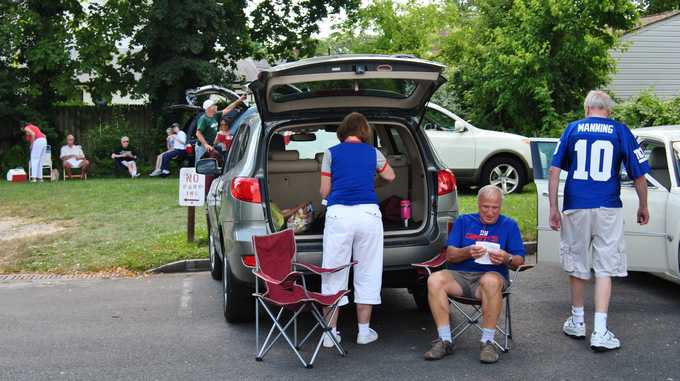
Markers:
point(322, 270)
point(435, 262)
point(289, 279)
point(519, 269)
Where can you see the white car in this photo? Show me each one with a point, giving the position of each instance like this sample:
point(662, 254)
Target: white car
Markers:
point(654, 247)
point(477, 156)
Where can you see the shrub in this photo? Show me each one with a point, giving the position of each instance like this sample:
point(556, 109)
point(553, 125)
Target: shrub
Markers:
point(648, 110)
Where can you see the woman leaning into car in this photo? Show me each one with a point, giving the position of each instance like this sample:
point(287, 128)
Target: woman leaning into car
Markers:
point(353, 220)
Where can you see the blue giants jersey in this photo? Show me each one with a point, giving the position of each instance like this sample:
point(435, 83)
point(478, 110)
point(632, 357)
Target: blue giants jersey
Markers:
point(592, 150)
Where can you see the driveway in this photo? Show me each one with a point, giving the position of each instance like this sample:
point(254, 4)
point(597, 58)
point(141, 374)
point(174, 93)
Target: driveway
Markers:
point(170, 327)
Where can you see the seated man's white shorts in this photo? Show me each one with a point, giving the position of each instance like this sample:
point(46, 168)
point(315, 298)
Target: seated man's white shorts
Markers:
point(127, 163)
point(354, 230)
point(599, 228)
point(74, 163)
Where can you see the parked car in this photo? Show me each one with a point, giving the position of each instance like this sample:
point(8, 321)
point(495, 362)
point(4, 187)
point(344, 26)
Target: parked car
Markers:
point(477, 156)
point(303, 103)
point(654, 247)
point(187, 114)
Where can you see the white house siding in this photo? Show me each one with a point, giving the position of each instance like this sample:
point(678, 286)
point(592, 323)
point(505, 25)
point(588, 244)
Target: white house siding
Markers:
point(651, 60)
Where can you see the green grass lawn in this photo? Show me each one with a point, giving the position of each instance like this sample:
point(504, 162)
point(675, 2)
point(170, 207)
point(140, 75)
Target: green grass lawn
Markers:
point(134, 224)
point(521, 207)
point(110, 223)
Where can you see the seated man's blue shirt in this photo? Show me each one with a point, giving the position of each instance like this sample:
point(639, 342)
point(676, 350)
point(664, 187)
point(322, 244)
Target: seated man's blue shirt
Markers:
point(469, 229)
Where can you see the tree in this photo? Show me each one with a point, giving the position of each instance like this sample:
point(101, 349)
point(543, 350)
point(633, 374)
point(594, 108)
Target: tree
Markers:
point(524, 65)
point(37, 60)
point(175, 45)
point(651, 7)
point(389, 27)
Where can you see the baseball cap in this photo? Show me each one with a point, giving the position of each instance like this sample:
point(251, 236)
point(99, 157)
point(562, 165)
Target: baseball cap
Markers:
point(208, 103)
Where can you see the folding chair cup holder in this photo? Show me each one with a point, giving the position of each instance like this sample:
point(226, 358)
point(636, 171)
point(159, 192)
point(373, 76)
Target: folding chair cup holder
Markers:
point(285, 289)
point(471, 308)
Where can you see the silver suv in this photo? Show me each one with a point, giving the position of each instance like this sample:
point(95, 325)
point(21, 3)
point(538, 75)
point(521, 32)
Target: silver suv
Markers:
point(276, 155)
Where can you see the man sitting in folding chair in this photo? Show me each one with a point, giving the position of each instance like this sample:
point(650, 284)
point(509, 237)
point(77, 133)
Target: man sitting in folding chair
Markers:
point(481, 246)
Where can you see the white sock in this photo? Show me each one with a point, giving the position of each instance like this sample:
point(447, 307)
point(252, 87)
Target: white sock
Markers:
point(445, 333)
point(600, 322)
point(334, 330)
point(488, 334)
point(364, 329)
point(577, 315)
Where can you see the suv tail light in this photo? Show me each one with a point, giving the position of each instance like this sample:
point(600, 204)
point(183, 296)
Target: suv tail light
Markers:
point(246, 189)
point(446, 182)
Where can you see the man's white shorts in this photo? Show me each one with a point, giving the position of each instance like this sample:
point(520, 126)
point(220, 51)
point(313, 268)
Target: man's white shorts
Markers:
point(600, 229)
point(354, 231)
point(75, 163)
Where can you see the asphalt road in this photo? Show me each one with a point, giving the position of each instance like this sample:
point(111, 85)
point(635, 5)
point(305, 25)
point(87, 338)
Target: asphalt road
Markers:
point(170, 327)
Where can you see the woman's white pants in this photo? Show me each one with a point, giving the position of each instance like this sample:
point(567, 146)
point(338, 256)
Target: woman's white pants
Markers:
point(354, 232)
point(37, 152)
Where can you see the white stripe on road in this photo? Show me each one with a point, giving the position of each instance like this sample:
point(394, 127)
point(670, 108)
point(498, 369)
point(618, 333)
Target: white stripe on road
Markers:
point(185, 299)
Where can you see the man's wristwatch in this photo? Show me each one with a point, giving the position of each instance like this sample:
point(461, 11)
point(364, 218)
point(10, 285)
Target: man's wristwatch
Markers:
point(509, 261)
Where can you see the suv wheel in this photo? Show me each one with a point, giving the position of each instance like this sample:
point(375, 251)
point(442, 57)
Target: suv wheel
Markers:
point(238, 302)
point(505, 172)
point(215, 261)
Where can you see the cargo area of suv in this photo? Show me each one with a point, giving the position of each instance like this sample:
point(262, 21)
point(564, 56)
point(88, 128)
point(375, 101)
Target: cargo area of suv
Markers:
point(294, 169)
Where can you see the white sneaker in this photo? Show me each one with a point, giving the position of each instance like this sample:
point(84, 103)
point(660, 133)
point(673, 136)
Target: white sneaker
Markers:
point(165, 172)
point(575, 330)
point(368, 338)
point(604, 342)
point(155, 173)
point(328, 343)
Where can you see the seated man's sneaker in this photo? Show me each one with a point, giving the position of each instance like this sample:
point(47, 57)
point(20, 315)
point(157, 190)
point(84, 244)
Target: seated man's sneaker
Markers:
point(156, 172)
point(488, 354)
point(574, 330)
point(327, 342)
point(368, 338)
point(440, 348)
point(604, 342)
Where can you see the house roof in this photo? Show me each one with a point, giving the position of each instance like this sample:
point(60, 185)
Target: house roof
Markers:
point(653, 19)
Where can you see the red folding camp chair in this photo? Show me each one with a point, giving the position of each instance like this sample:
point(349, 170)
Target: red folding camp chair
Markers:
point(474, 315)
point(275, 265)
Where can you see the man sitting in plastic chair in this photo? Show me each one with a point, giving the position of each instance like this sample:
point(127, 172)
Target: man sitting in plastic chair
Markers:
point(481, 247)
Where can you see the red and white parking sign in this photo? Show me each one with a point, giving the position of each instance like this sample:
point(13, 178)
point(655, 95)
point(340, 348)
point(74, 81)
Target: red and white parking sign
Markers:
point(191, 187)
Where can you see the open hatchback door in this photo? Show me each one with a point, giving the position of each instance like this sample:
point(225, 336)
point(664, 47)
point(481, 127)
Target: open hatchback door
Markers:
point(318, 85)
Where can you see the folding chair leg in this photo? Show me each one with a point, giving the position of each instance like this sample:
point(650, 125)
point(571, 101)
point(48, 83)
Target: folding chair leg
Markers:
point(508, 316)
point(282, 332)
point(269, 344)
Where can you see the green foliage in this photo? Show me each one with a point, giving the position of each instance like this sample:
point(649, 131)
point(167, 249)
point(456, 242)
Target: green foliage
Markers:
point(648, 110)
point(16, 156)
point(524, 65)
point(651, 7)
point(389, 27)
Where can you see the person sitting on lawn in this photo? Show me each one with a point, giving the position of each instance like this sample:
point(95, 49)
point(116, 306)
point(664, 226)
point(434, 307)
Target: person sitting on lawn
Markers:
point(178, 150)
point(168, 148)
point(125, 157)
point(72, 156)
point(481, 247)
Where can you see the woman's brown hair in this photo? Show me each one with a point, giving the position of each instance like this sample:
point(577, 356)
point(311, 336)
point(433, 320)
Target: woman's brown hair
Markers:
point(355, 124)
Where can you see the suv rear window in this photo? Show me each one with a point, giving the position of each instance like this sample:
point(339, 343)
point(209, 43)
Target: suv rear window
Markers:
point(386, 88)
point(308, 150)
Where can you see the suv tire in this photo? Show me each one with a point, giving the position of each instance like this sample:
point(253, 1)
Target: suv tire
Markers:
point(238, 301)
point(502, 169)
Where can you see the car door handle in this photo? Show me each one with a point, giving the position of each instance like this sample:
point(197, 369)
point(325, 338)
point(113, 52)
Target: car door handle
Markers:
point(545, 194)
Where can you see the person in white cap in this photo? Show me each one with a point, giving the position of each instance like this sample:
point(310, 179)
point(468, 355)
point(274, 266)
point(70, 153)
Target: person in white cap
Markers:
point(208, 125)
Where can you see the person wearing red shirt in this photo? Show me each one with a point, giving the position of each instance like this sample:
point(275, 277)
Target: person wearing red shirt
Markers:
point(38, 147)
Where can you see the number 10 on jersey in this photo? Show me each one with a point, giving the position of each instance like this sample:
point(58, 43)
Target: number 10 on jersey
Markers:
point(601, 157)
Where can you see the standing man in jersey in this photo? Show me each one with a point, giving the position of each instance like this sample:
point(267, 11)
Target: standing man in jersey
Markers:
point(592, 151)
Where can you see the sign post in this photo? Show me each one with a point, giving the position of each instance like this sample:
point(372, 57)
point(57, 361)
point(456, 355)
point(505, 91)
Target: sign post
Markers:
point(191, 194)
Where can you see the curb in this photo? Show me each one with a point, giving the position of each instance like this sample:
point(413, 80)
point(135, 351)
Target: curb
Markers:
point(187, 265)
